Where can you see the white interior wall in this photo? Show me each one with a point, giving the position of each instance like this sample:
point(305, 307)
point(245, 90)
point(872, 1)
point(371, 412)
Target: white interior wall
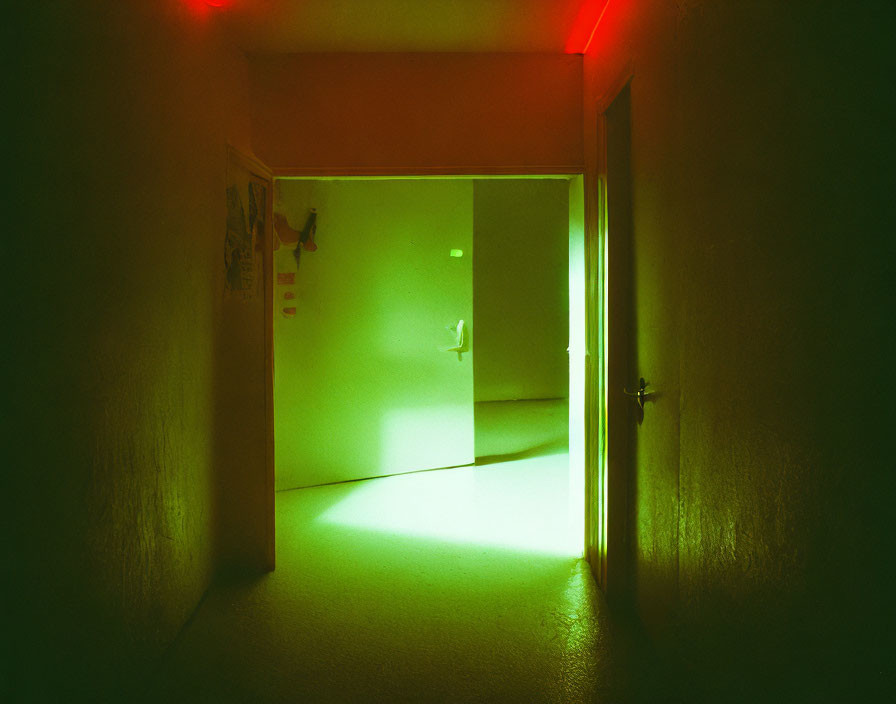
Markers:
point(520, 288)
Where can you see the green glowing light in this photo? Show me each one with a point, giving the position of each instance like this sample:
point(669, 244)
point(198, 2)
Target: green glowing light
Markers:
point(400, 425)
point(512, 505)
point(577, 368)
point(603, 346)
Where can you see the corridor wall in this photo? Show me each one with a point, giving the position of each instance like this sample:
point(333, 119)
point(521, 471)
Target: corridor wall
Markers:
point(123, 112)
point(372, 113)
point(762, 256)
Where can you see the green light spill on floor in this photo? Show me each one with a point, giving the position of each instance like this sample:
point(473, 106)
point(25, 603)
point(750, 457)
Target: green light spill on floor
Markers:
point(454, 585)
point(371, 614)
point(520, 505)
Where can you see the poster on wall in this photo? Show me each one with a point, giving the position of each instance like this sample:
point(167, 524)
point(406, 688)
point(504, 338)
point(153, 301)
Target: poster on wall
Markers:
point(247, 196)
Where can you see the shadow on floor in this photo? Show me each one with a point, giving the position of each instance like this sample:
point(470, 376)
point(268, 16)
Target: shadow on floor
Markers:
point(556, 447)
point(507, 428)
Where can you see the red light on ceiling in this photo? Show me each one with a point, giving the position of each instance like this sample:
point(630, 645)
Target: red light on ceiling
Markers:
point(584, 27)
point(204, 10)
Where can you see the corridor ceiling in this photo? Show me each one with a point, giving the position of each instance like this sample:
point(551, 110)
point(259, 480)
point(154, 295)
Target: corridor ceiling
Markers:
point(283, 26)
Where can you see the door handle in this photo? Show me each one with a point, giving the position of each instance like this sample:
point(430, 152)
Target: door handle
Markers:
point(460, 338)
point(640, 394)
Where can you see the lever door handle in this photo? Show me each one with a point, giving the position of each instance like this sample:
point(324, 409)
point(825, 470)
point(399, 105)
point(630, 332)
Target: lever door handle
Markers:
point(640, 394)
point(460, 337)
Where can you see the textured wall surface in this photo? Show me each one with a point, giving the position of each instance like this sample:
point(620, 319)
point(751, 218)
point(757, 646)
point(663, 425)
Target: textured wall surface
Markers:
point(762, 253)
point(423, 111)
point(520, 288)
point(122, 122)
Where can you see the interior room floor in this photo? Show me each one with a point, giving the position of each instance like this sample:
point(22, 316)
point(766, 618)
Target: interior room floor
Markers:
point(453, 585)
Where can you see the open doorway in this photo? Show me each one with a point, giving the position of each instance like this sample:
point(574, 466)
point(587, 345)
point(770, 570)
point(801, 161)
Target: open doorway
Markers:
point(521, 360)
point(521, 309)
point(377, 324)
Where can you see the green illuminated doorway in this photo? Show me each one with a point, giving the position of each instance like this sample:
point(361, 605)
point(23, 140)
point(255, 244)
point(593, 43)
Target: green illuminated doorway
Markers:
point(367, 384)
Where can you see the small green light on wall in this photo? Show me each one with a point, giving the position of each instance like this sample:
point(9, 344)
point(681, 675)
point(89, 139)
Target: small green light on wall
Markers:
point(457, 252)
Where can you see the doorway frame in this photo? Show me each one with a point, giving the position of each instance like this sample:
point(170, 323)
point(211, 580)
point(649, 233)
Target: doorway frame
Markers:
point(575, 176)
point(254, 166)
point(605, 492)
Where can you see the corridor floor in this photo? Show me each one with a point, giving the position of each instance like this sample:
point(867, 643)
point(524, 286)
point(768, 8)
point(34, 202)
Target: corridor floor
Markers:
point(445, 586)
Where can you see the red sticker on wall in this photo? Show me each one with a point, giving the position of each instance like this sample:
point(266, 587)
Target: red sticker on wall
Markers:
point(288, 296)
point(289, 312)
point(286, 278)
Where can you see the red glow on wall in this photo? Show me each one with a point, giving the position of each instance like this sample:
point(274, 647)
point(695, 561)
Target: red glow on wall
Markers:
point(584, 27)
